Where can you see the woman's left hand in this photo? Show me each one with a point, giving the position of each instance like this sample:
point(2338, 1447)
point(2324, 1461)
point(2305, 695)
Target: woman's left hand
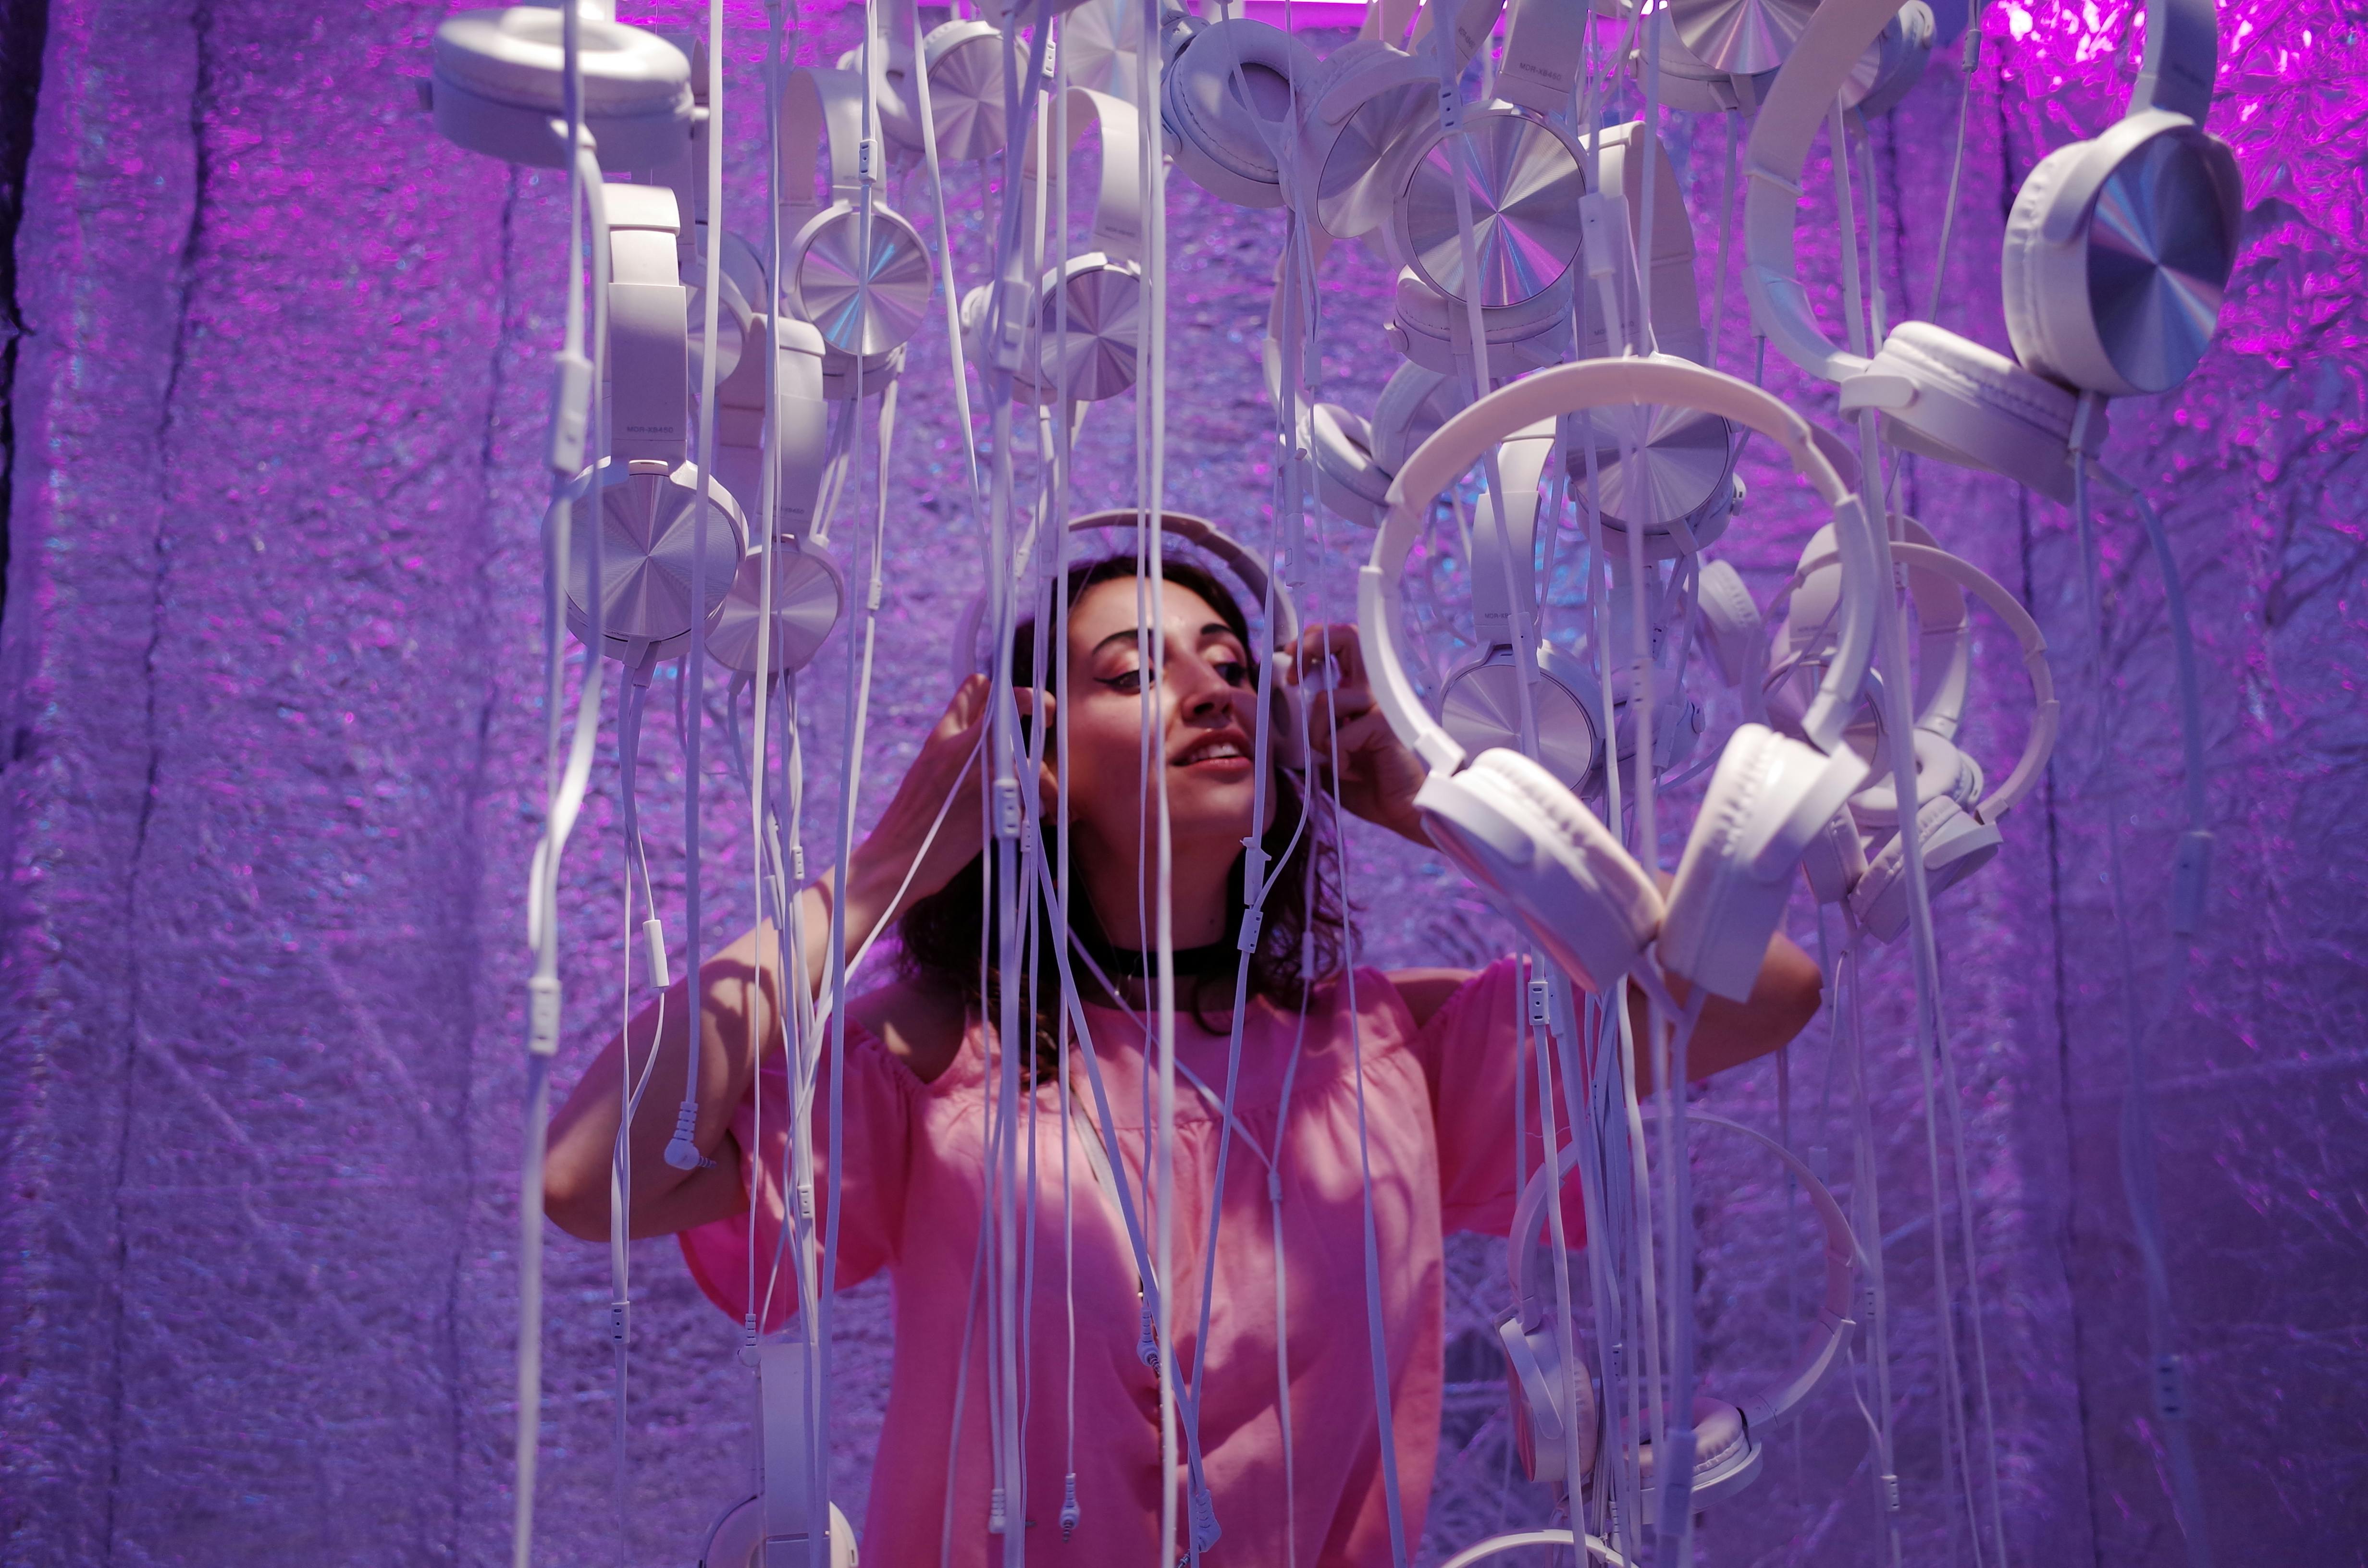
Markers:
point(1348, 734)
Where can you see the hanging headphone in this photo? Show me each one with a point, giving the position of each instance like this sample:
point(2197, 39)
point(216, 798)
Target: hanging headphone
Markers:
point(1727, 1437)
point(2117, 252)
point(963, 57)
point(775, 1528)
point(1283, 723)
point(1225, 104)
point(1958, 838)
point(1480, 704)
point(798, 436)
point(1102, 287)
point(649, 494)
point(1515, 830)
point(1100, 41)
point(1740, 39)
point(499, 79)
point(865, 304)
point(1355, 458)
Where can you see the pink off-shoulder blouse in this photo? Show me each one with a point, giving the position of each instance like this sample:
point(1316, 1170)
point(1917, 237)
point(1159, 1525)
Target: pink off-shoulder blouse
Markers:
point(912, 1175)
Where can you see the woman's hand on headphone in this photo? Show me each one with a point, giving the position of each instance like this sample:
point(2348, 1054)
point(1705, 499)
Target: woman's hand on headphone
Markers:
point(1349, 736)
point(950, 767)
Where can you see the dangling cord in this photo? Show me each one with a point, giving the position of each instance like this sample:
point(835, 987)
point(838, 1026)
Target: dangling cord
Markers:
point(1866, 1217)
point(1732, 122)
point(682, 1150)
point(1673, 1465)
point(564, 787)
point(2139, 1186)
point(919, 76)
point(1972, 59)
point(1897, 701)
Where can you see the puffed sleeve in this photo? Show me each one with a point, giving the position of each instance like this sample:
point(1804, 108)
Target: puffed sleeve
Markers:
point(1471, 1050)
point(876, 1117)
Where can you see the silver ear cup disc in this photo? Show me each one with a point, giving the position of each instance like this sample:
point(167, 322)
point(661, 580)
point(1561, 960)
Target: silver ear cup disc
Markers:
point(2159, 259)
point(1100, 41)
point(1482, 708)
point(1742, 37)
point(1354, 188)
point(966, 99)
point(1653, 465)
point(1095, 357)
point(648, 543)
point(806, 602)
point(1524, 182)
point(834, 268)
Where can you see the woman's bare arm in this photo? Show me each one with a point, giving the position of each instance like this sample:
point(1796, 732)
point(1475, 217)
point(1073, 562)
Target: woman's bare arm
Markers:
point(740, 1019)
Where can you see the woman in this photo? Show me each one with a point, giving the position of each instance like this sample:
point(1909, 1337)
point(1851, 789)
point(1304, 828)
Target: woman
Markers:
point(1439, 1050)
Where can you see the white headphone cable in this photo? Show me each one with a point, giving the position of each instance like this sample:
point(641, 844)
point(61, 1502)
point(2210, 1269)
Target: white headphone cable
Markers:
point(2139, 1184)
point(1971, 63)
point(564, 787)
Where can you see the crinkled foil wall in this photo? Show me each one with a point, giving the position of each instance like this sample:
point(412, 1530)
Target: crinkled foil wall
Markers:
point(272, 772)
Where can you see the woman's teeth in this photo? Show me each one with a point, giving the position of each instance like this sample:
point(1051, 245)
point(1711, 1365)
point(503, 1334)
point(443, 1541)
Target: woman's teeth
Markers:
point(1211, 751)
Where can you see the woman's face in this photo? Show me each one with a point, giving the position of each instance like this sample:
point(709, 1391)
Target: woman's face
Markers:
point(1203, 714)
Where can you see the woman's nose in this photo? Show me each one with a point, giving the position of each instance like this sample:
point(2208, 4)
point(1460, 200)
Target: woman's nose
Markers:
point(1199, 690)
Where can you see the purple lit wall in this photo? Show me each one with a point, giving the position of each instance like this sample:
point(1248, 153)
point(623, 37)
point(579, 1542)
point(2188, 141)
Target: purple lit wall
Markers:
point(272, 738)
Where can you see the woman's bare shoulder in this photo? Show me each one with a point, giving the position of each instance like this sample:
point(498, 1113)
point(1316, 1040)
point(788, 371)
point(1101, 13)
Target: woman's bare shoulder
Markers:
point(920, 1026)
point(1425, 991)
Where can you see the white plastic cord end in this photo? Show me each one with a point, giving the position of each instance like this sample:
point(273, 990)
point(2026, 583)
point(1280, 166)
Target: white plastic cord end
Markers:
point(995, 1513)
point(681, 1152)
point(1147, 1339)
point(1007, 814)
point(621, 1321)
point(542, 1015)
point(1070, 1512)
point(1541, 1003)
point(654, 939)
point(571, 413)
point(2170, 1389)
point(1204, 1519)
point(1252, 921)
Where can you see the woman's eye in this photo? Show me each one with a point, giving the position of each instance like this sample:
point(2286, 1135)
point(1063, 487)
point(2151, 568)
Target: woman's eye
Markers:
point(1233, 672)
point(1128, 682)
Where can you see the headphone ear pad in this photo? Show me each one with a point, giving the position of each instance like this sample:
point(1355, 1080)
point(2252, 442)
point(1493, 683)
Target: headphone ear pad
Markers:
point(1547, 861)
point(1736, 872)
point(1542, 1436)
point(1957, 843)
point(2021, 271)
point(1231, 148)
point(1347, 478)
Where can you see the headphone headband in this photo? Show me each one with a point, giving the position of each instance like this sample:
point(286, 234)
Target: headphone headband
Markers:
point(1577, 388)
point(821, 111)
point(1118, 195)
point(1843, 1260)
point(649, 331)
point(2041, 743)
point(1520, 463)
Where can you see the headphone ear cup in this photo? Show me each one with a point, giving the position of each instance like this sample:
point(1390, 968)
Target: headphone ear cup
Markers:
point(2019, 261)
point(1957, 843)
point(1972, 406)
point(1547, 861)
point(1543, 1432)
point(1731, 622)
point(1737, 872)
point(1834, 859)
point(1230, 135)
point(1348, 480)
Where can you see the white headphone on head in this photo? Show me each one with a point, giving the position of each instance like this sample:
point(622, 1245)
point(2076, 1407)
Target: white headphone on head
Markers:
point(971, 657)
point(1517, 832)
point(499, 77)
point(1728, 1437)
point(2117, 251)
point(648, 494)
point(1102, 287)
point(865, 303)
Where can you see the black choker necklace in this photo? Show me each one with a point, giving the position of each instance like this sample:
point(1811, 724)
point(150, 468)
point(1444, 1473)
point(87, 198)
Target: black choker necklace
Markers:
point(1191, 963)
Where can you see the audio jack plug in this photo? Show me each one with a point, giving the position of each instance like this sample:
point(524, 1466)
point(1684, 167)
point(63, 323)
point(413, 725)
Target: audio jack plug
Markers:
point(1070, 1513)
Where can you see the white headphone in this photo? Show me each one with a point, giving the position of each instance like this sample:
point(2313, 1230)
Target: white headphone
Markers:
point(1225, 104)
point(1355, 458)
point(1103, 287)
point(775, 1528)
point(500, 78)
point(649, 494)
point(1520, 835)
point(963, 59)
point(1959, 838)
point(2117, 251)
point(1283, 723)
point(866, 307)
point(1728, 1451)
point(1480, 704)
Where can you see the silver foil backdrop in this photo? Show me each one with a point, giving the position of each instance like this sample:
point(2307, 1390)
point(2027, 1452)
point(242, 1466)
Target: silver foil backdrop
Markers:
point(269, 661)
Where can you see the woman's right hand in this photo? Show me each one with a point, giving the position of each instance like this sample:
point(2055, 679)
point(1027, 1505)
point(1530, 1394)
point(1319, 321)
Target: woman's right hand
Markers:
point(948, 766)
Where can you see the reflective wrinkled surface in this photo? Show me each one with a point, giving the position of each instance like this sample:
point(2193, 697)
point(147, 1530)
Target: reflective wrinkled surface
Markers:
point(271, 655)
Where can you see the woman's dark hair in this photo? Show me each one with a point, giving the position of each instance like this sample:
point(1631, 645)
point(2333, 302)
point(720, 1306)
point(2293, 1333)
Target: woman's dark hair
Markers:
point(1299, 945)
